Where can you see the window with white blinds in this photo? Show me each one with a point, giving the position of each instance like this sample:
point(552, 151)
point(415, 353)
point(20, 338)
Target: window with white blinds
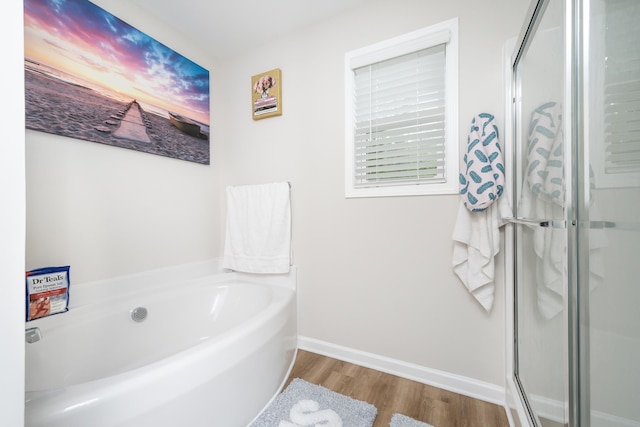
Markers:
point(614, 93)
point(402, 125)
point(622, 87)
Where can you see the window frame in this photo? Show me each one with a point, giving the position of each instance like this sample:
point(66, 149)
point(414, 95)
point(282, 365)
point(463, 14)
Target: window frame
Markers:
point(443, 33)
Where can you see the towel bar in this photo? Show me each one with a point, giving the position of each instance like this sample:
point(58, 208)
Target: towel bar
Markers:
point(625, 226)
point(288, 183)
point(553, 223)
point(596, 225)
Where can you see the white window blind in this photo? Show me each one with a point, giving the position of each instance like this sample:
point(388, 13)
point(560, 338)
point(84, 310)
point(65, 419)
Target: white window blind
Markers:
point(399, 125)
point(622, 88)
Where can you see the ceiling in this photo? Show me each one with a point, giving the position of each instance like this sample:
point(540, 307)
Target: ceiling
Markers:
point(227, 27)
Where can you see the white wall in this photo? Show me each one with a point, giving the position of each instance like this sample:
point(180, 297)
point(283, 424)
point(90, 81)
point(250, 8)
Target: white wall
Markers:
point(374, 274)
point(13, 221)
point(108, 211)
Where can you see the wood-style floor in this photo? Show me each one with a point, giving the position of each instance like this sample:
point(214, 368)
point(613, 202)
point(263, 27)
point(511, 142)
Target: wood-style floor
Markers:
point(391, 394)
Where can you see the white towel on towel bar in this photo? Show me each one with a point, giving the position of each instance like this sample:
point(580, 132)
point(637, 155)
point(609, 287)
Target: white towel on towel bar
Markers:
point(543, 196)
point(476, 236)
point(476, 242)
point(258, 232)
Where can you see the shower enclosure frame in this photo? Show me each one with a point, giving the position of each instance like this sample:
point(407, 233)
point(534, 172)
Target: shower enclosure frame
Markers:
point(576, 321)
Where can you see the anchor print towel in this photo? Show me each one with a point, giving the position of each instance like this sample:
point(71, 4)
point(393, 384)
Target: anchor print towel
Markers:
point(483, 180)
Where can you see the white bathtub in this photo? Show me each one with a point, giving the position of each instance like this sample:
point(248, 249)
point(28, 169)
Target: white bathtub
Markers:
point(213, 351)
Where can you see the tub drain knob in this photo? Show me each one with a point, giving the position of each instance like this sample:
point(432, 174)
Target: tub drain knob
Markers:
point(138, 314)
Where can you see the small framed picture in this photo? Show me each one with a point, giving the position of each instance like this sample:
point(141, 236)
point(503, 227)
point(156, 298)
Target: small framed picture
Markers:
point(266, 90)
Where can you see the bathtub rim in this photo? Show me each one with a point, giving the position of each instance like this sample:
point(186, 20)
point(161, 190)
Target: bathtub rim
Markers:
point(85, 293)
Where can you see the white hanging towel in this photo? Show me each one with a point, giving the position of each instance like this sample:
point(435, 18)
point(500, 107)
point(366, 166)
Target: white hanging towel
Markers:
point(476, 236)
point(476, 242)
point(258, 233)
point(543, 197)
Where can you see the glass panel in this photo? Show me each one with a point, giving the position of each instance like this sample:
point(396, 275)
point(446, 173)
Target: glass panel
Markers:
point(540, 196)
point(610, 202)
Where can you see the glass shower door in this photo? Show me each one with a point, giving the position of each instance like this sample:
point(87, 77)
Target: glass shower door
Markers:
point(540, 218)
point(609, 212)
point(577, 214)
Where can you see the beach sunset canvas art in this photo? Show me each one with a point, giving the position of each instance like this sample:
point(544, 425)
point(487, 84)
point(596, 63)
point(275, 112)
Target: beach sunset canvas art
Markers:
point(91, 76)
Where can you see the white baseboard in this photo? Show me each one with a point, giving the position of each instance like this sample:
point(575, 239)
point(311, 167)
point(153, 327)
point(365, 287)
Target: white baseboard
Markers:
point(456, 383)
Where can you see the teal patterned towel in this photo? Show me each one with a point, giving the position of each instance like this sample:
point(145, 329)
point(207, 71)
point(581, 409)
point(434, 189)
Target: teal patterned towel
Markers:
point(545, 166)
point(483, 180)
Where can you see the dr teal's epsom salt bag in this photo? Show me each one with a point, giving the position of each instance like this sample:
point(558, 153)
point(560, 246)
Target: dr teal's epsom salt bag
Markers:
point(47, 291)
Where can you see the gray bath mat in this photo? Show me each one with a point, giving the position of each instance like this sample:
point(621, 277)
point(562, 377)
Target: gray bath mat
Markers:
point(306, 404)
point(399, 420)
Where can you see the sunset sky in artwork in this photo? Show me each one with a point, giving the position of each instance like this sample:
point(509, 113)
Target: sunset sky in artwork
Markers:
point(79, 38)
